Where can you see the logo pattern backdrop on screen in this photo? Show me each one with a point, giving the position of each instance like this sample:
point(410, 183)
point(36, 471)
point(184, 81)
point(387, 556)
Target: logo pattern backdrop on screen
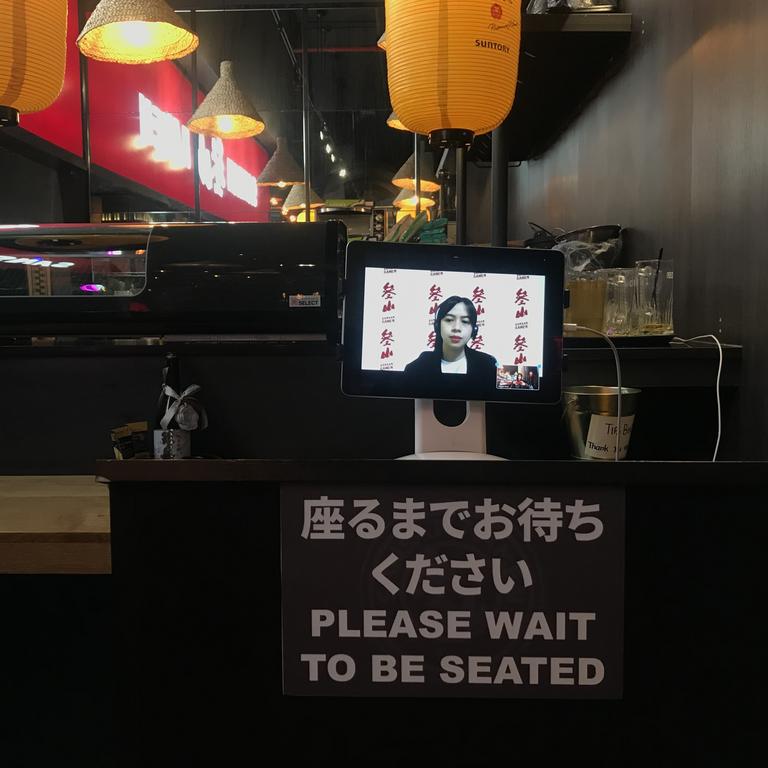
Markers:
point(400, 306)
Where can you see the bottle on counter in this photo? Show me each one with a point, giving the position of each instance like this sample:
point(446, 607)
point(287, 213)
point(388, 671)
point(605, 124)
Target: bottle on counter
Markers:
point(171, 378)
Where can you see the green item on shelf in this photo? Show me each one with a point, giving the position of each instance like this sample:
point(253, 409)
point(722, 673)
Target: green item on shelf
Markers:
point(436, 224)
point(415, 227)
point(393, 236)
point(434, 232)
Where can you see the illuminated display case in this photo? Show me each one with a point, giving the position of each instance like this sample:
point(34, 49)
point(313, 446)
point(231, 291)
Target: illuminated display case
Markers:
point(258, 280)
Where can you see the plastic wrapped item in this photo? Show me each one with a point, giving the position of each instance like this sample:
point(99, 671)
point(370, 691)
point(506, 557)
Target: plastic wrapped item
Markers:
point(582, 5)
point(543, 6)
point(588, 257)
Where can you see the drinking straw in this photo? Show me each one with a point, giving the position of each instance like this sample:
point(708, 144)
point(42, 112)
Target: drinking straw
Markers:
point(656, 278)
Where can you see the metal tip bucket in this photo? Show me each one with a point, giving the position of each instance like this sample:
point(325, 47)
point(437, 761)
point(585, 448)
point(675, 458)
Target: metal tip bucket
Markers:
point(591, 416)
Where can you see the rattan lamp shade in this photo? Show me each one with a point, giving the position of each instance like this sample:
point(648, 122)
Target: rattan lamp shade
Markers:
point(405, 178)
point(32, 56)
point(452, 66)
point(407, 199)
point(226, 111)
point(297, 199)
point(135, 32)
point(281, 170)
point(393, 121)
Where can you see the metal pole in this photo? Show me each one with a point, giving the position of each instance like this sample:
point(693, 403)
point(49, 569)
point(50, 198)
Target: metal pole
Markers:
point(461, 196)
point(195, 136)
point(85, 117)
point(417, 171)
point(499, 188)
point(305, 113)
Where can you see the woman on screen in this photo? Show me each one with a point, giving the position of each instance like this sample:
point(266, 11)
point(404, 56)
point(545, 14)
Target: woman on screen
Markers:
point(455, 327)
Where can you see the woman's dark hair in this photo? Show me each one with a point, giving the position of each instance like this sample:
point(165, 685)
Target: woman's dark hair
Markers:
point(445, 308)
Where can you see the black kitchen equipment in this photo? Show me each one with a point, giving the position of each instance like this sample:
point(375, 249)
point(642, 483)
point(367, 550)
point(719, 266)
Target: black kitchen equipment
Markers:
point(264, 281)
point(599, 234)
point(541, 238)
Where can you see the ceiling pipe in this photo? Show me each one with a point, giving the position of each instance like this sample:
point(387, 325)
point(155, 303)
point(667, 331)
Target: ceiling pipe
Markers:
point(342, 49)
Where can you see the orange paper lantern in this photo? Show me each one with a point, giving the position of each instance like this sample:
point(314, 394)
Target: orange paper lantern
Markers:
point(33, 44)
point(452, 66)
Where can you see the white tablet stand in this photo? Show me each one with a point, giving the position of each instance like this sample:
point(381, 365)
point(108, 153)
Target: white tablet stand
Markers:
point(435, 440)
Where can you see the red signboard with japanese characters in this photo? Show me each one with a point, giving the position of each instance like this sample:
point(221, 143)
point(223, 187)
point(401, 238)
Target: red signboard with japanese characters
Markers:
point(457, 591)
point(138, 131)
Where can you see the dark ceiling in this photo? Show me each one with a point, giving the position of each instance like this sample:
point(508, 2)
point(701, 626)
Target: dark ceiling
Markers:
point(347, 87)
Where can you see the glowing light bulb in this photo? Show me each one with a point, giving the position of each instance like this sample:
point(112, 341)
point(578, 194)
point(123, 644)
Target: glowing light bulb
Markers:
point(333, 158)
point(281, 184)
point(225, 123)
point(134, 34)
point(328, 149)
point(343, 173)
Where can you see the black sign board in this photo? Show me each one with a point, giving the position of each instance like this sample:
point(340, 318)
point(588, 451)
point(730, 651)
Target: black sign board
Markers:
point(453, 591)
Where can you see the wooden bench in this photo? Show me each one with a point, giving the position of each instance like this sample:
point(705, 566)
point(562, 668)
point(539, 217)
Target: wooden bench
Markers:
point(54, 524)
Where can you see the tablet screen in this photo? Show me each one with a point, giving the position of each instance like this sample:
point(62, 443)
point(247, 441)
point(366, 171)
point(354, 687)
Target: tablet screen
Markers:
point(474, 324)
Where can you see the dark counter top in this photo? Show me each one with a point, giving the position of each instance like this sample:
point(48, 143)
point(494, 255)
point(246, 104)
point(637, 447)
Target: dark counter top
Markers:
point(629, 473)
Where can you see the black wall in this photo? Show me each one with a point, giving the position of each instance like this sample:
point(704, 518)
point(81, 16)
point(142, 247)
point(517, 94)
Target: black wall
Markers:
point(674, 148)
point(38, 188)
point(60, 407)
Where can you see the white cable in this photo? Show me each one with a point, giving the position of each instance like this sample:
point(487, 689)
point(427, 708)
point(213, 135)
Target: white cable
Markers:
point(573, 326)
point(717, 383)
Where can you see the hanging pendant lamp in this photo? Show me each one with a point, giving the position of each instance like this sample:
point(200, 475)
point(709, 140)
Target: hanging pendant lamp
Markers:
point(407, 199)
point(33, 40)
point(301, 216)
point(452, 66)
point(297, 199)
point(135, 32)
point(405, 178)
point(281, 170)
point(393, 121)
point(226, 111)
point(401, 213)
